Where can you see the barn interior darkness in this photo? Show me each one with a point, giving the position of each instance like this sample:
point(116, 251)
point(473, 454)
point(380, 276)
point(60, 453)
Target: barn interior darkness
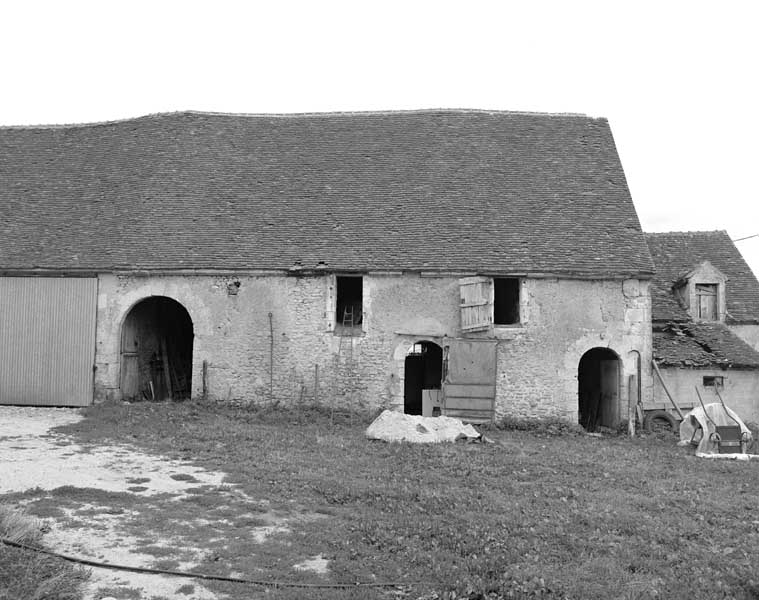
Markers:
point(423, 371)
point(598, 384)
point(506, 301)
point(156, 351)
point(349, 301)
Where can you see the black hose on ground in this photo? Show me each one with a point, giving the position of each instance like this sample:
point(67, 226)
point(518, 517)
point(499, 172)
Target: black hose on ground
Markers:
point(259, 582)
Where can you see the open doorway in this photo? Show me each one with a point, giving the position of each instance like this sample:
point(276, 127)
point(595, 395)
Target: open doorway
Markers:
point(422, 379)
point(156, 351)
point(598, 388)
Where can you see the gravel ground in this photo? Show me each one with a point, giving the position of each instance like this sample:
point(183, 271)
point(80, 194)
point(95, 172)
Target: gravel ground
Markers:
point(33, 457)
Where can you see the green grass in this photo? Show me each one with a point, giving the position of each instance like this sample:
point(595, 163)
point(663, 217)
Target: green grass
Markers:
point(544, 512)
point(26, 574)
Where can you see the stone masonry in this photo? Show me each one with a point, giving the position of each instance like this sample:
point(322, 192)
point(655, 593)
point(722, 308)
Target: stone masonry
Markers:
point(537, 364)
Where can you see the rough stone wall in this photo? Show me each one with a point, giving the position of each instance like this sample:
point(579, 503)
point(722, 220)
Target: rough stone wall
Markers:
point(740, 391)
point(537, 360)
point(748, 333)
point(561, 320)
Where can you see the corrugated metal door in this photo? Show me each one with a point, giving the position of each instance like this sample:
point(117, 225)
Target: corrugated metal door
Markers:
point(47, 340)
point(469, 386)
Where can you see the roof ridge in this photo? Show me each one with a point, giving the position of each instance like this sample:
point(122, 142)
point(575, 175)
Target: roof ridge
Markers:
point(300, 114)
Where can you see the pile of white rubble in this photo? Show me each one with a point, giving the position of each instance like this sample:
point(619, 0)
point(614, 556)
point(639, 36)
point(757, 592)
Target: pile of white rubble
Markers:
point(393, 426)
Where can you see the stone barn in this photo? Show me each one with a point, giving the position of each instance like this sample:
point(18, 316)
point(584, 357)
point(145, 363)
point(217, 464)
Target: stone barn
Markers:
point(705, 322)
point(470, 263)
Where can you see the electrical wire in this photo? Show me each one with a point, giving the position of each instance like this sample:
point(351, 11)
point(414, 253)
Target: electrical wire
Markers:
point(258, 582)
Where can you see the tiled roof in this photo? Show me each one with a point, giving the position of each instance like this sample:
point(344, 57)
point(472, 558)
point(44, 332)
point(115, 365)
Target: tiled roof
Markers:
point(677, 253)
point(702, 345)
point(429, 190)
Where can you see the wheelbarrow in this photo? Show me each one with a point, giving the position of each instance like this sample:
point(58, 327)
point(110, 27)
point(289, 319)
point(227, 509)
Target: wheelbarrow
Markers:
point(729, 439)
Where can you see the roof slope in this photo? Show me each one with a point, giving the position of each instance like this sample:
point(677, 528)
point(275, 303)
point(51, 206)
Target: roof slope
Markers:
point(677, 253)
point(422, 190)
point(702, 345)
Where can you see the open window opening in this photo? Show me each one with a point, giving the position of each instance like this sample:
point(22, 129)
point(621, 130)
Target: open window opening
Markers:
point(349, 305)
point(715, 381)
point(598, 388)
point(156, 351)
point(423, 379)
point(505, 301)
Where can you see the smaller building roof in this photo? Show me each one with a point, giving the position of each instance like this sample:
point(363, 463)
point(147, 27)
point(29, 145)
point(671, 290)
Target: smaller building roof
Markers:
point(699, 345)
point(675, 254)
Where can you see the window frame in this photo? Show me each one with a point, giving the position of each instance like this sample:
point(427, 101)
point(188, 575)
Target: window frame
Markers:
point(336, 324)
point(477, 304)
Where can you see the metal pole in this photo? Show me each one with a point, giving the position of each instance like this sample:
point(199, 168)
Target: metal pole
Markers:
point(316, 384)
point(271, 360)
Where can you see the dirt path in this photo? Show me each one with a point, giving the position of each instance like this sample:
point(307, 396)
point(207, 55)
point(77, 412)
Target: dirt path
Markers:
point(94, 517)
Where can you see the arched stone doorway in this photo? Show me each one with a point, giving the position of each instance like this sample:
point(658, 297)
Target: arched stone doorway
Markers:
point(156, 351)
point(598, 388)
point(423, 375)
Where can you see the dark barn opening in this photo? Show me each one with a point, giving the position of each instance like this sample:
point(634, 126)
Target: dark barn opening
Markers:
point(506, 301)
point(349, 302)
point(156, 351)
point(598, 388)
point(423, 371)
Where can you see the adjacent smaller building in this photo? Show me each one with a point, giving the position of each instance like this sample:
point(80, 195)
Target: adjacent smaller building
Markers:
point(705, 319)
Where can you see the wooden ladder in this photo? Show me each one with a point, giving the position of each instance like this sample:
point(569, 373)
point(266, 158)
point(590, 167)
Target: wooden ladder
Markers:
point(344, 351)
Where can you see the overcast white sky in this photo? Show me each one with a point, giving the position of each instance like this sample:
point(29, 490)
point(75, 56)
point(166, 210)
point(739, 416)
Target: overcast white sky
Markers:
point(677, 80)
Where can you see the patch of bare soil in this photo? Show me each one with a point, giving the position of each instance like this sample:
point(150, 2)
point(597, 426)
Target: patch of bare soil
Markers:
point(119, 505)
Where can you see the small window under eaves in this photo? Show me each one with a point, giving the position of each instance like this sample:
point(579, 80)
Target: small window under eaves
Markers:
point(714, 381)
point(506, 301)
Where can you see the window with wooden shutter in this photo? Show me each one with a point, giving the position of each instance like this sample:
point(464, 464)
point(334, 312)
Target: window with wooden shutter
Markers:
point(476, 303)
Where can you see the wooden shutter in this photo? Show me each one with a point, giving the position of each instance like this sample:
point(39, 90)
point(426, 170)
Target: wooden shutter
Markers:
point(476, 303)
point(469, 385)
point(707, 301)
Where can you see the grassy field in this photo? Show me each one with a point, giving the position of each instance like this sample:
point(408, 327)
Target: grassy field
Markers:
point(543, 512)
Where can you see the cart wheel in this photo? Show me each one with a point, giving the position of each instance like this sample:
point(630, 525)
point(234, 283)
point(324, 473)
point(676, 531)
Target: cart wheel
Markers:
point(660, 420)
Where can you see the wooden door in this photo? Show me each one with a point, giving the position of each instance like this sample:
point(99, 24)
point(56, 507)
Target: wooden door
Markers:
point(609, 406)
point(469, 384)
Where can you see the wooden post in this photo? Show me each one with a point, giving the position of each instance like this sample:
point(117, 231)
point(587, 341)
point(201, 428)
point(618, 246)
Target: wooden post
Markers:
point(166, 372)
point(664, 385)
point(205, 381)
point(632, 402)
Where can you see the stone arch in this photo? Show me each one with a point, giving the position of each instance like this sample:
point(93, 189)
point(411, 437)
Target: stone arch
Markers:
point(400, 354)
point(156, 347)
point(599, 378)
point(423, 372)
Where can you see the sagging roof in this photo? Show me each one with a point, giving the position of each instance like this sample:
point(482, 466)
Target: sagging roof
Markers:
point(677, 253)
point(431, 190)
point(700, 345)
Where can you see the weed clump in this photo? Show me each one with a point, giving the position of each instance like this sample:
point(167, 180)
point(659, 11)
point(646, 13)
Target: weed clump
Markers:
point(545, 426)
point(28, 574)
